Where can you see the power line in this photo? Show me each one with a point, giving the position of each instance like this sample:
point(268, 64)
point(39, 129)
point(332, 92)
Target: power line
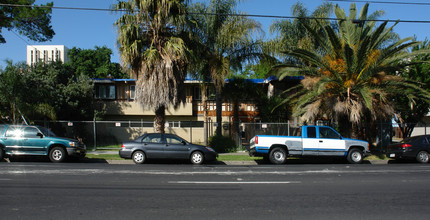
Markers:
point(21, 38)
point(238, 15)
point(383, 2)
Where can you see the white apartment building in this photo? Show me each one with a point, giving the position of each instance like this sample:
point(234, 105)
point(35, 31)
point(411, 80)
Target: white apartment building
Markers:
point(46, 54)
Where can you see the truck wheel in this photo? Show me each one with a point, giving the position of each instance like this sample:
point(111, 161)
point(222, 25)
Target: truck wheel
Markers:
point(422, 157)
point(355, 156)
point(278, 155)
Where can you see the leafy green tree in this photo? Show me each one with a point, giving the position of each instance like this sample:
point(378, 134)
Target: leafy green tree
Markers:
point(224, 43)
point(151, 45)
point(32, 22)
point(411, 111)
point(44, 91)
point(353, 77)
point(71, 97)
point(95, 63)
point(14, 92)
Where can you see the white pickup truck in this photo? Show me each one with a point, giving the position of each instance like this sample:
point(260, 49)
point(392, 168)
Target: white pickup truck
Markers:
point(308, 141)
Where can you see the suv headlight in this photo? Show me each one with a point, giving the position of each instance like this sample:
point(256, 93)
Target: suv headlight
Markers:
point(73, 144)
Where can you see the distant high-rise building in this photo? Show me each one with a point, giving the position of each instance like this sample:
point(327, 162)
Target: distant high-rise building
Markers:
point(46, 54)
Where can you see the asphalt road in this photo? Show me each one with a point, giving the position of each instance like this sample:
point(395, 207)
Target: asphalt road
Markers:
point(40, 190)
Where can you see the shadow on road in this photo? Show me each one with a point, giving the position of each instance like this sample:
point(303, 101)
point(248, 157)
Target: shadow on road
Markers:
point(46, 159)
point(311, 160)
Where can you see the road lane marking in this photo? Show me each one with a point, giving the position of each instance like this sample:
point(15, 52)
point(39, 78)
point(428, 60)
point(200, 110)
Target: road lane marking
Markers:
point(233, 182)
point(186, 173)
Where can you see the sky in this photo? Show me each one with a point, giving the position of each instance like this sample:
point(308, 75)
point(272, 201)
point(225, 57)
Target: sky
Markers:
point(87, 29)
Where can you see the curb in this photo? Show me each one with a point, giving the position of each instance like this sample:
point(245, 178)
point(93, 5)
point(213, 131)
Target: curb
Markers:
point(241, 163)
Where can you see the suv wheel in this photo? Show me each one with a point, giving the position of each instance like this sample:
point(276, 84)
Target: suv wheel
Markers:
point(1, 154)
point(57, 154)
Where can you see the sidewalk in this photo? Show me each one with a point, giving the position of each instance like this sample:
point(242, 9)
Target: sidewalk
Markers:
point(245, 163)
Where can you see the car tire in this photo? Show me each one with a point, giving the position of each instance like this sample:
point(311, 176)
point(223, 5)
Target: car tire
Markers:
point(57, 154)
point(423, 157)
point(197, 158)
point(1, 154)
point(139, 157)
point(278, 155)
point(355, 156)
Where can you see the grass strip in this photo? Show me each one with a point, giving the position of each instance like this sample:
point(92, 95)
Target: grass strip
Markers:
point(222, 157)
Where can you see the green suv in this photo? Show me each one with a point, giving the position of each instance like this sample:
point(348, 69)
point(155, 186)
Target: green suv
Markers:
point(38, 141)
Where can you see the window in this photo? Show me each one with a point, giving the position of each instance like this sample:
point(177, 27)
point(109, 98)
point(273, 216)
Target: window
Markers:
point(31, 132)
point(173, 140)
point(152, 138)
point(121, 93)
point(105, 92)
point(328, 133)
point(197, 93)
point(174, 124)
point(312, 133)
point(14, 131)
point(132, 92)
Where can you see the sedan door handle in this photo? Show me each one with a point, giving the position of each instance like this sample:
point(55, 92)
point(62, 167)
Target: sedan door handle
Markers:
point(321, 141)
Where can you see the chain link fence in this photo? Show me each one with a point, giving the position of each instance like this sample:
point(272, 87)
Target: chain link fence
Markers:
point(107, 134)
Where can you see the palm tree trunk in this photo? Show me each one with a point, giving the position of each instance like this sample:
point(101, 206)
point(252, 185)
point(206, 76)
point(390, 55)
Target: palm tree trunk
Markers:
point(160, 119)
point(235, 134)
point(205, 114)
point(218, 113)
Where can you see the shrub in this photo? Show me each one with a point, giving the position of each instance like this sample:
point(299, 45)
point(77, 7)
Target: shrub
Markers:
point(222, 144)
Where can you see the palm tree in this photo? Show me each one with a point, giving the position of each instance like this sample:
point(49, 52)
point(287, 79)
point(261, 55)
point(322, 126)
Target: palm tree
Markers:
point(408, 113)
point(292, 34)
point(353, 77)
point(152, 48)
point(225, 42)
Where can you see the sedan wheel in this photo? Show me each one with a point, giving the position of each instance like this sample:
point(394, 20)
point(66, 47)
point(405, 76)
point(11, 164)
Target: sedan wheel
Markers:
point(423, 157)
point(139, 157)
point(197, 158)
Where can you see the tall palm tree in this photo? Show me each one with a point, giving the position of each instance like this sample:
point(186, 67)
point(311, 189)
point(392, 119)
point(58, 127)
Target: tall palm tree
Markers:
point(225, 42)
point(292, 34)
point(152, 48)
point(353, 77)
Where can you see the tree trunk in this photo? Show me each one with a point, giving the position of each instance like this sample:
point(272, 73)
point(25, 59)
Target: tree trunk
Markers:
point(218, 113)
point(160, 119)
point(236, 121)
point(205, 114)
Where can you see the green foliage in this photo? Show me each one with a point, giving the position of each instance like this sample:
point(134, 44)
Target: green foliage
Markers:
point(45, 91)
point(94, 63)
point(411, 111)
point(222, 43)
point(257, 71)
point(222, 144)
point(153, 46)
point(32, 22)
point(352, 78)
